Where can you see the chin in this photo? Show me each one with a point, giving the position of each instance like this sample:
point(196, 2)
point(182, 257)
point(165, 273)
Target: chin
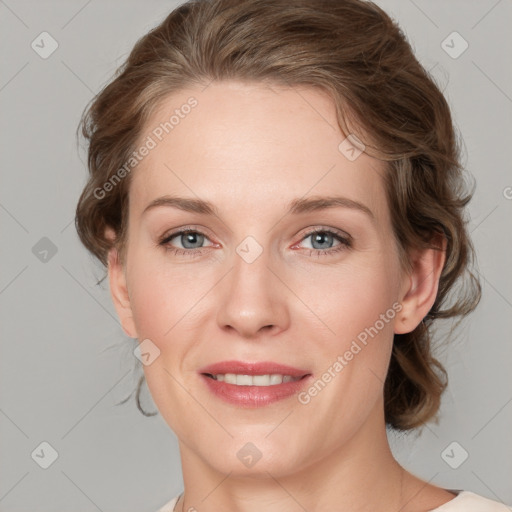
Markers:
point(254, 458)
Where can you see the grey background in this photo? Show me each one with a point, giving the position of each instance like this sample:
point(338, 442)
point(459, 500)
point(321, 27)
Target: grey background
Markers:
point(65, 361)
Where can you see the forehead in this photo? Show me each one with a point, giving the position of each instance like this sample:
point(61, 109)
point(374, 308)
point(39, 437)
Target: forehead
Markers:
point(243, 146)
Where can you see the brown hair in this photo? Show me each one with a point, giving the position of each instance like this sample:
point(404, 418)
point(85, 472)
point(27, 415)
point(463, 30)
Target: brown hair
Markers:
point(355, 52)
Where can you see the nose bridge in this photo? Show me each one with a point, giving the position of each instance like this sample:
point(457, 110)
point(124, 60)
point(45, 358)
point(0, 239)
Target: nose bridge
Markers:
point(252, 298)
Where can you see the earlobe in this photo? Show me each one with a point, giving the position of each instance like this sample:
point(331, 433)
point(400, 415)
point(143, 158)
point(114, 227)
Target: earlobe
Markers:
point(119, 293)
point(421, 286)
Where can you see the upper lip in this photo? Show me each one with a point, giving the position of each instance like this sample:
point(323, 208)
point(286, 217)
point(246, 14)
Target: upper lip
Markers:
point(245, 368)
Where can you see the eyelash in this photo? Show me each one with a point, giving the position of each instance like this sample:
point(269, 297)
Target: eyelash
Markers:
point(345, 242)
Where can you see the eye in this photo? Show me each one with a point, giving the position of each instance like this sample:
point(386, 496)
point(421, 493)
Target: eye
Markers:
point(190, 241)
point(322, 241)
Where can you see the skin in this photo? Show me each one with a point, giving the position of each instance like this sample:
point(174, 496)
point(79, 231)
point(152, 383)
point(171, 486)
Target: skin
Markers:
point(250, 150)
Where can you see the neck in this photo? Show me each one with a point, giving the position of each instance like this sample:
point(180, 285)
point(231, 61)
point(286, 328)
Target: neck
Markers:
point(361, 475)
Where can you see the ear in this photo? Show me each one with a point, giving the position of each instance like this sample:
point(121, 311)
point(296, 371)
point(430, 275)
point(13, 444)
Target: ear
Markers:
point(119, 289)
point(419, 290)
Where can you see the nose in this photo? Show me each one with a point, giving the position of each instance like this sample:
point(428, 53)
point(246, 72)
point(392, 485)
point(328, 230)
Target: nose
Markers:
point(252, 299)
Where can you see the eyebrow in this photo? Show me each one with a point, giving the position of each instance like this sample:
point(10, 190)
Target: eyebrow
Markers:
point(295, 207)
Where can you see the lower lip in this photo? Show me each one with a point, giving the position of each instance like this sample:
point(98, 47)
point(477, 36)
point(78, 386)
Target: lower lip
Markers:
point(254, 396)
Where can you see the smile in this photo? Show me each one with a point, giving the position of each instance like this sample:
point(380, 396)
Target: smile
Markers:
point(253, 380)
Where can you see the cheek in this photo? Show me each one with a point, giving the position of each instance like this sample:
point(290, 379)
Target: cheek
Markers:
point(164, 302)
point(353, 297)
point(360, 307)
point(162, 296)
point(365, 305)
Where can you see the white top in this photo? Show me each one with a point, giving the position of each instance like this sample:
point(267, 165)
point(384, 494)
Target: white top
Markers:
point(465, 501)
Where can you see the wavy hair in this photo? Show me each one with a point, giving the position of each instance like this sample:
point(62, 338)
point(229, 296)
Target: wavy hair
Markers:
point(356, 53)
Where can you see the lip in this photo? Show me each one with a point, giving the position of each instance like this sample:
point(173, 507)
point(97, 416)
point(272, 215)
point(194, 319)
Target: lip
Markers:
point(261, 368)
point(253, 396)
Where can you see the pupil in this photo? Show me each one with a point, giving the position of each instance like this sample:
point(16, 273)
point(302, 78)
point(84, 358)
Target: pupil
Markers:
point(190, 238)
point(320, 237)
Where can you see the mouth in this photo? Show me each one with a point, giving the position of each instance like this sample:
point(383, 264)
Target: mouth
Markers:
point(252, 385)
point(272, 379)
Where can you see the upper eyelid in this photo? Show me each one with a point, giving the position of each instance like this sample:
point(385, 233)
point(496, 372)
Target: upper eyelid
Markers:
point(185, 229)
point(334, 231)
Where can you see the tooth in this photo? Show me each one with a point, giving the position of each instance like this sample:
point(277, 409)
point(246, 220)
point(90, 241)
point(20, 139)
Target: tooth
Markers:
point(230, 378)
point(276, 379)
point(261, 380)
point(254, 380)
point(244, 380)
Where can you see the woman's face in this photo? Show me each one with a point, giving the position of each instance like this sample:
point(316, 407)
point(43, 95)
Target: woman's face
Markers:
point(253, 283)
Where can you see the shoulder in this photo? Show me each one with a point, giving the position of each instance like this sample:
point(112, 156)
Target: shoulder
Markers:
point(169, 506)
point(467, 501)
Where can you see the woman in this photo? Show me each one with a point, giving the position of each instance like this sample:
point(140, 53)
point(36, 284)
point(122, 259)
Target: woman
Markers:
point(276, 191)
